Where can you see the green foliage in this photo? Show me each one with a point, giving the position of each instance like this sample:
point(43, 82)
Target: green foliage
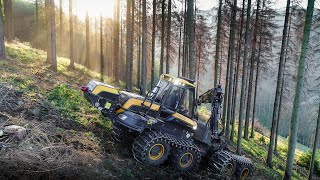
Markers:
point(262, 140)
point(305, 160)
point(72, 104)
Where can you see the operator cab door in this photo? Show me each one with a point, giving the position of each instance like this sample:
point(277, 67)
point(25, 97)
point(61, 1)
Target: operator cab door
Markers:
point(174, 98)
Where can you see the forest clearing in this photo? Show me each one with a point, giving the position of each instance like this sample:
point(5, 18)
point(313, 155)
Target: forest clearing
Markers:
point(161, 89)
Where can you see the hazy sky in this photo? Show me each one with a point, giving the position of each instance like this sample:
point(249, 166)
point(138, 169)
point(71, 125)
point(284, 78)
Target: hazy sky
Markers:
point(208, 4)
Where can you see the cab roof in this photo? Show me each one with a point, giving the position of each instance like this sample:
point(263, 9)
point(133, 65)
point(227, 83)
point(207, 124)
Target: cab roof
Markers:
point(182, 80)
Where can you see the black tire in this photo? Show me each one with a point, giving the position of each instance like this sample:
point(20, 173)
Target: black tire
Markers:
point(151, 148)
point(119, 133)
point(222, 164)
point(185, 160)
point(244, 167)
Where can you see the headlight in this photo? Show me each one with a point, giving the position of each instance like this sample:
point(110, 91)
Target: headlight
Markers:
point(194, 127)
point(122, 117)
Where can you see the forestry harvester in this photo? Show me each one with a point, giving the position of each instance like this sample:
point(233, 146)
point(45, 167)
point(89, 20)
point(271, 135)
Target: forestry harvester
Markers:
point(165, 126)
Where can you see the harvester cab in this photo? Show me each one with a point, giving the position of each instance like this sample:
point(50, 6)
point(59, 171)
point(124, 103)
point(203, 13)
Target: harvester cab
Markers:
point(165, 127)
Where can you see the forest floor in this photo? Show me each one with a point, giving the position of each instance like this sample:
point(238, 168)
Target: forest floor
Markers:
point(68, 139)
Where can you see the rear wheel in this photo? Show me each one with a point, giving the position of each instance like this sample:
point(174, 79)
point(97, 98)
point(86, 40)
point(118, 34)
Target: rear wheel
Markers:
point(185, 159)
point(151, 148)
point(222, 164)
point(244, 167)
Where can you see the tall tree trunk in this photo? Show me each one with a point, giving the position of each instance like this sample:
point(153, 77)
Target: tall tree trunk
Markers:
point(61, 25)
point(2, 45)
point(87, 62)
point(185, 40)
point(122, 63)
point(216, 62)
point(179, 51)
point(139, 47)
point(168, 37)
point(256, 87)
point(315, 147)
point(129, 47)
point(281, 91)
point(253, 57)
point(37, 23)
point(191, 38)
point(48, 30)
point(244, 77)
point(162, 35)
point(298, 92)
point(231, 56)
point(116, 42)
point(153, 39)
point(53, 37)
point(101, 51)
point(277, 96)
point(235, 88)
point(71, 36)
point(9, 20)
point(144, 46)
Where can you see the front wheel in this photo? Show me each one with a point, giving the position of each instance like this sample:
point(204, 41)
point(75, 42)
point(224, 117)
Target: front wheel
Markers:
point(151, 148)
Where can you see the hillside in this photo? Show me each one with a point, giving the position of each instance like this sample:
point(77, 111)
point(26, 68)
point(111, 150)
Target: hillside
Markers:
point(68, 139)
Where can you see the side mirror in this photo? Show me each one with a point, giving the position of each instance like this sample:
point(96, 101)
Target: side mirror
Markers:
point(141, 90)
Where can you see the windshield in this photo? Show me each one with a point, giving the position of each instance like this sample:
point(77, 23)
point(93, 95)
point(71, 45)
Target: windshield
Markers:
point(159, 90)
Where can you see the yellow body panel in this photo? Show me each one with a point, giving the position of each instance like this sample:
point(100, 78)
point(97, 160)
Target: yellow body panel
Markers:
point(184, 119)
point(100, 88)
point(137, 102)
point(155, 107)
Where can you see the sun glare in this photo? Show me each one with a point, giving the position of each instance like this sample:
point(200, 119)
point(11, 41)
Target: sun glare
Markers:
point(94, 8)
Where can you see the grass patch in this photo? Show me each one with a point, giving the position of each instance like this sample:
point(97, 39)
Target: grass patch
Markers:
point(72, 104)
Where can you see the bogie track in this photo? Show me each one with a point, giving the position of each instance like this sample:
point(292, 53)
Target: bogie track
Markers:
point(185, 155)
point(222, 164)
point(244, 167)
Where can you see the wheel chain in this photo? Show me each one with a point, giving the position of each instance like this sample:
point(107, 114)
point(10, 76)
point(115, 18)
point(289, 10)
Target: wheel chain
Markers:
point(219, 161)
point(243, 162)
point(141, 144)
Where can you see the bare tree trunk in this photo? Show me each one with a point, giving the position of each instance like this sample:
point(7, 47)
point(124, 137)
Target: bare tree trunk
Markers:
point(184, 46)
point(53, 37)
point(61, 25)
point(235, 88)
point(298, 92)
point(87, 62)
point(48, 31)
point(162, 36)
point(116, 42)
point(281, 91)
point(253, 57)
point(191, 38)
point(179, 53)
point(101, 51)
point(139, 47)
point(256, 88)
point(315, 147)
point(9, 20)
point(277, 97)
point(36, 38)
point(144, 46)
point(129, 47)
point(168, 37)
point(244, 77)
point(216, 62)
point(2, 45)
point(153, 39)
point(71, 36)
point(231, 56)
